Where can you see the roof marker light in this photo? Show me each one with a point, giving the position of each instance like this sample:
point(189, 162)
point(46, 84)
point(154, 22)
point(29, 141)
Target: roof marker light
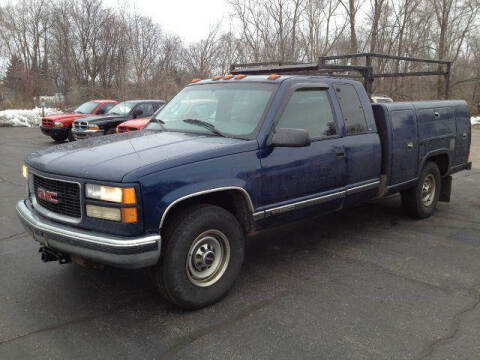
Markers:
point(196, 80)
point(216, 77)
point(239, 76)
point(227, 77)
point(273, 76)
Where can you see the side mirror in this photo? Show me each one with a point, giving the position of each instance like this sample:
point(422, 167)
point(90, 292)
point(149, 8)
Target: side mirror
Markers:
point(137, 113)
point(290, 138)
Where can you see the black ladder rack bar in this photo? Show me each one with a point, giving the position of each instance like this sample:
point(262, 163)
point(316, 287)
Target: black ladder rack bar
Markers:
point(322, 68)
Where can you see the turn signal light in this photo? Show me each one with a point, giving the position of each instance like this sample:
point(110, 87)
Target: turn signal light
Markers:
point(129, 196)
point(195, 80)
point(129, 215)
point(273, 76)
point(239, 76)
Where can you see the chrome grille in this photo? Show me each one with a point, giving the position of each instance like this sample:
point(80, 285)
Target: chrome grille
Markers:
point(67, 195)
point(83, 125)
point(47, 122)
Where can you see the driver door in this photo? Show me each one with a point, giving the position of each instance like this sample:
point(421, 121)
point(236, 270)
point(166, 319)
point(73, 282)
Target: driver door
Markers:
point(298, 177)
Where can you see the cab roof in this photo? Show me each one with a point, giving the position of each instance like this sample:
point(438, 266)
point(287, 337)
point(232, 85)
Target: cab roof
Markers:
point(265, 79)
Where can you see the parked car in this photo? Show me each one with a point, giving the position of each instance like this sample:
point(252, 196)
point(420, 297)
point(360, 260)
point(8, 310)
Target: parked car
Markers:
point(59, 127)
point(133, 125)
point(182, 195)
point(105, 125)
point(378, 99)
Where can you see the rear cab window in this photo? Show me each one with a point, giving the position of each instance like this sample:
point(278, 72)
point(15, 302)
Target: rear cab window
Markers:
point(352, 109)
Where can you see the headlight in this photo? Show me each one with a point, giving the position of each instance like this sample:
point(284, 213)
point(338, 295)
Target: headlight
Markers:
point(25, 171)
point(58, 124)
point(106, 213)
point(112, 194)
point(93, 127)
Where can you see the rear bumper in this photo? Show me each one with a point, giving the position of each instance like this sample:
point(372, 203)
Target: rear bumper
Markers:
point(51, 131)
point(98, 247)
point(83, 134)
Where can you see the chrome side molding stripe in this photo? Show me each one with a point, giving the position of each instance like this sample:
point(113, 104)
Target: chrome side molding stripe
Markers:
point(364, 187)
point(317, 200)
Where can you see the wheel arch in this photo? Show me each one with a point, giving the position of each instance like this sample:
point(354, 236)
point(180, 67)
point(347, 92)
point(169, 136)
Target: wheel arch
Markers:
point(232, 198)
point(440, 157)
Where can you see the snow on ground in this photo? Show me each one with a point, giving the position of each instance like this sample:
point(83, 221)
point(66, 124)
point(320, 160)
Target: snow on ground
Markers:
point(26, 118)
point(475, 120)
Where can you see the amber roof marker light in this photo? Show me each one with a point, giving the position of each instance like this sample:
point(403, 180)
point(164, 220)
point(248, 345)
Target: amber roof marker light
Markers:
point(273, 76)
point(239, 76)
point(227, 77)
point(216, 77)
point(195, 80)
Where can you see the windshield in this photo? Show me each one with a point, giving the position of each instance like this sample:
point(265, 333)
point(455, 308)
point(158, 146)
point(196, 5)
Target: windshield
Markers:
point(122, 109)
point(233, 109)
point(87, 108)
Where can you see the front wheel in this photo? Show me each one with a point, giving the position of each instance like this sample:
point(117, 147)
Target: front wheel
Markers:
point(59, 138)
point(421, 201)
point(201, 258)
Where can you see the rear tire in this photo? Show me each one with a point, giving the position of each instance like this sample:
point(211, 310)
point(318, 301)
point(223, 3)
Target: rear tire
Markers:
point(202, 253)
point(421, 201)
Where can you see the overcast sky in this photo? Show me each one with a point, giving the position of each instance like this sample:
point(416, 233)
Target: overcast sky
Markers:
point(190, 19)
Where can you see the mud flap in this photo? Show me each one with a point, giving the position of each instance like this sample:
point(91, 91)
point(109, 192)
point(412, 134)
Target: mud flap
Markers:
point(445, 189)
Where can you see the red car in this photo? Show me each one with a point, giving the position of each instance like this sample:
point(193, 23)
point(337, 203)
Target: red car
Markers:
point(59, 127)
point(132, 125)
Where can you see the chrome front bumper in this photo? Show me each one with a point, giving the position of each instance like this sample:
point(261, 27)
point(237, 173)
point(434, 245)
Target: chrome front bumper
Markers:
point(83, 134)
point(103, 248)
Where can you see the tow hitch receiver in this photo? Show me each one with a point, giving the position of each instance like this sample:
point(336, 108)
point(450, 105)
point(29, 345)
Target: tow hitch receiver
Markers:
point(48, 254)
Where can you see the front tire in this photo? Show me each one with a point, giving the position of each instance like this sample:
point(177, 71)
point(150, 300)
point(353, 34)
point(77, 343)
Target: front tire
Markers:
point(59, 138)
point(202, 255)
point(420, 202)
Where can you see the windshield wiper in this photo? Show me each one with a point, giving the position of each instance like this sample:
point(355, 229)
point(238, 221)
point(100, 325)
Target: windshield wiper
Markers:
point(206, 125)
point(158, 121)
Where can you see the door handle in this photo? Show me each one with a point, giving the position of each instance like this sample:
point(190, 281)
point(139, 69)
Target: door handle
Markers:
point(464, 134)
point(340, 152)
point(410, 145)
point(437, 114)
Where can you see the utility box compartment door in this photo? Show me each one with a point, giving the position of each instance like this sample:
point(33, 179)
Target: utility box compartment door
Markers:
point(463, 139)
point(405, 146)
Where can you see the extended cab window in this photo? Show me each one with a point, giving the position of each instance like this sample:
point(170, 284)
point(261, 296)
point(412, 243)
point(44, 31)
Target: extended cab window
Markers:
point(310, 110)
point(352, 110)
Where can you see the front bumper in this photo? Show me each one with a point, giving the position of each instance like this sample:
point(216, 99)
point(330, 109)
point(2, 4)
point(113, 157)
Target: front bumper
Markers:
point(52, 131)
point(97, 247)
point(83, 134)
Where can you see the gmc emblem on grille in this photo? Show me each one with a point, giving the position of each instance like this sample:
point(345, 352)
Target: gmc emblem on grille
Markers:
point(48, 196)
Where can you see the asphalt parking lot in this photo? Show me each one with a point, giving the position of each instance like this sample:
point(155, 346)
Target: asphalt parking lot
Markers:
point(365, 283)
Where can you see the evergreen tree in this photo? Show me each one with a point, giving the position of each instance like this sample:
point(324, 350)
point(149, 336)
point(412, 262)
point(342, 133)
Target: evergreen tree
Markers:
point(15, 77)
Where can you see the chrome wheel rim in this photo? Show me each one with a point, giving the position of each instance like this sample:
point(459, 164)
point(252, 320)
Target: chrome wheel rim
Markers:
point(208, 258)
point(428, 190)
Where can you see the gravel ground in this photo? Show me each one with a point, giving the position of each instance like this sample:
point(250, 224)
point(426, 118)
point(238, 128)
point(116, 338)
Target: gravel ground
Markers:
point(365, 283)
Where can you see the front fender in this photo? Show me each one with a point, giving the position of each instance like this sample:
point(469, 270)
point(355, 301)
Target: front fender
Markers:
point(165, 189)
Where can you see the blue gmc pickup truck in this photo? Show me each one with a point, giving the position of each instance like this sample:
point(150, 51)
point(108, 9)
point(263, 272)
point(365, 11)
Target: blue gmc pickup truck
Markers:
point(254, 151)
